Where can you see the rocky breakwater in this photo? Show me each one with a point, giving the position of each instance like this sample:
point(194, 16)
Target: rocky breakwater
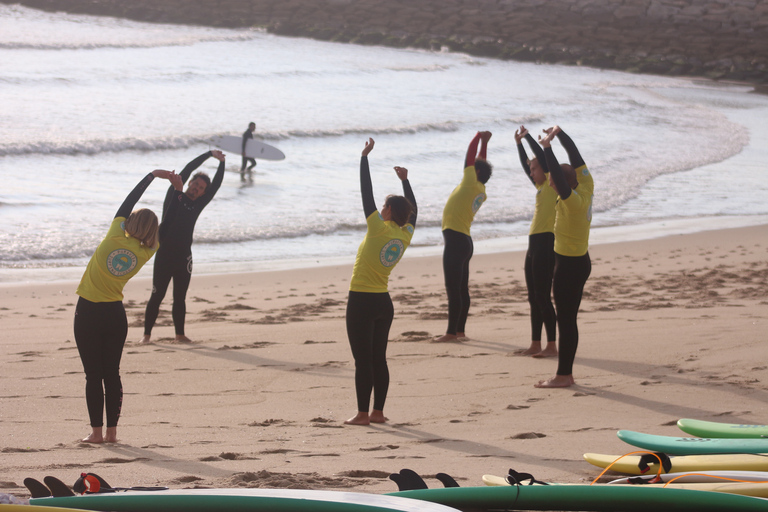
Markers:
point(719, 39)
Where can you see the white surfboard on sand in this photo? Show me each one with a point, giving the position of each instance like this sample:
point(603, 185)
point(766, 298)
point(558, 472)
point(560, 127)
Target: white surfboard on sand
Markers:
point(253, 148)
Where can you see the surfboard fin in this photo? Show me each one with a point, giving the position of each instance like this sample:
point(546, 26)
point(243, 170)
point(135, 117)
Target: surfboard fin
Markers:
point(447, 480)
point(408, 480)
point(58, 488)
point(91, 483)
point(515, 478)
point(37, 488)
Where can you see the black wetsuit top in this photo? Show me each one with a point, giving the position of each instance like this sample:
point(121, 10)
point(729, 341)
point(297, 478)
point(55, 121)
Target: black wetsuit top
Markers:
point(180, 213)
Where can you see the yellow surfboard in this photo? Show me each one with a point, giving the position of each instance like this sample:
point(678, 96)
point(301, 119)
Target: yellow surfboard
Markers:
point(756, 489)
point(684, 463)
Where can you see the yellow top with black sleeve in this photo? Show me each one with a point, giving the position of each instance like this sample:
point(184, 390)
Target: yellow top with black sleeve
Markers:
point(574, 217)
point(544, 212)
point(463, 203)
point(381, 249)
point(117, 259)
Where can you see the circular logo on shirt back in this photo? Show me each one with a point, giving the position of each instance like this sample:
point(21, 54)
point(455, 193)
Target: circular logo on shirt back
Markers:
point(478, 202)
point(391, 252)
point(121, 261)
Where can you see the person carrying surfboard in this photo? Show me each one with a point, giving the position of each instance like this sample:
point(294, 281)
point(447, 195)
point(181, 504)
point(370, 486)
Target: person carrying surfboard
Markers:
point(101, 325)
point(247, 134)
point(458, 214)
point(174, 259)
point(573, 217)
point(369, 306)
point(540, 257)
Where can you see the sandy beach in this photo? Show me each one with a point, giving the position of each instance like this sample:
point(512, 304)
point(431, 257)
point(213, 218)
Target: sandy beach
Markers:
point(670, 328)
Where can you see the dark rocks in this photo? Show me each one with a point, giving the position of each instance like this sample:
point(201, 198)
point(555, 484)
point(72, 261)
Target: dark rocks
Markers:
point(723, 39)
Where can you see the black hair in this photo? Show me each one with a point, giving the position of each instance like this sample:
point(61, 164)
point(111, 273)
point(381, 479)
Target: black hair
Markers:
point(484, 170)
point(400, 207)
point(202, 176)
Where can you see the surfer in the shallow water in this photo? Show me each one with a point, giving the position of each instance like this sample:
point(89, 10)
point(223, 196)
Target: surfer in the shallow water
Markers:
point(458, 214)
point(174, 259)
point(247, 134)
point(101, 325)
point(369, 306)
point(540, 257)
point(574, 186)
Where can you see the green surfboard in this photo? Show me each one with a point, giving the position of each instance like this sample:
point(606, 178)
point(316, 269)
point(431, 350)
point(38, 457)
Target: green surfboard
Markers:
point(692, 445)
point(240, 500)
point(586, 497)
point(703, 428)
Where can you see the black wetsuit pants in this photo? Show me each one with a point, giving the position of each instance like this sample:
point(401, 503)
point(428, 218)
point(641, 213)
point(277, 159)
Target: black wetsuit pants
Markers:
point(100, 332)
point(571, 273)
point(169, 266)
point(539, 267)
point(456, 255)
point(246, 161)
point(369, 316)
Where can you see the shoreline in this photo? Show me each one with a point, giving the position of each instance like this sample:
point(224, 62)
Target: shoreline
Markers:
point(719, 40)
point(598, 236)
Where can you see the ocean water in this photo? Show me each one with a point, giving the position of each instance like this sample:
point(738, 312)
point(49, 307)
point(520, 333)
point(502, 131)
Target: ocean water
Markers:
point(90, 105)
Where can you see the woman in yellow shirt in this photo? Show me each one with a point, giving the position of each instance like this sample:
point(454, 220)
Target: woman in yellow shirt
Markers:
point(573, 217)
point(101, 325)
point(369, 306)
point(540, 257)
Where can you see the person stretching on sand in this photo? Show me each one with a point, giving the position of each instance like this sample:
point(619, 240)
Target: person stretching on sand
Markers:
point(369, 307)
point(174, 259)
point(101, 325)
point(574, 186)
point(540, 258)
point(458, 214)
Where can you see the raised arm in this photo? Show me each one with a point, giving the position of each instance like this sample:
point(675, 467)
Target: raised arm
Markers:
point(472, 151)
point(366, 187)
point(555, 172)
point(402, 173)
point(175, 192)
point(211, 189)
point(537, 151)
point(127, 207)
point(519, 136)
point(484, 138)
point(193, 165)
point(574, 157)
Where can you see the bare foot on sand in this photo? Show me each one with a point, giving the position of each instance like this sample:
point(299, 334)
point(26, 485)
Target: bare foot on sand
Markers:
point(111, 436)
point(378, 417)
point(97, 435)
point(180, 338)
point(361, 418)
point(93, 438)
point(549, 351)
point(460, 336)
point(145, 339)
point(558, 381)
point(446, 338)
point(535, 348)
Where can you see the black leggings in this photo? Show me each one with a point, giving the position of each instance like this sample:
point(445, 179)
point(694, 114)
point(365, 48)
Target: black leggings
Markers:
point(539, 267)
point(369, 316)
point(571, 272)
point(100, 332)
point(456, 255)
point(178, 268)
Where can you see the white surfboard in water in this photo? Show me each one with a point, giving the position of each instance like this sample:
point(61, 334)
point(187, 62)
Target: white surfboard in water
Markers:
point(253, 148)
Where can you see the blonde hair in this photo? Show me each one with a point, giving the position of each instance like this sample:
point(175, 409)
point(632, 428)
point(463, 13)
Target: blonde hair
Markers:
point(142, 225)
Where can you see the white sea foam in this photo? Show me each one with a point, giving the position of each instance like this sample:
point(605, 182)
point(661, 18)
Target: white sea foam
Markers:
point(92, 104)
